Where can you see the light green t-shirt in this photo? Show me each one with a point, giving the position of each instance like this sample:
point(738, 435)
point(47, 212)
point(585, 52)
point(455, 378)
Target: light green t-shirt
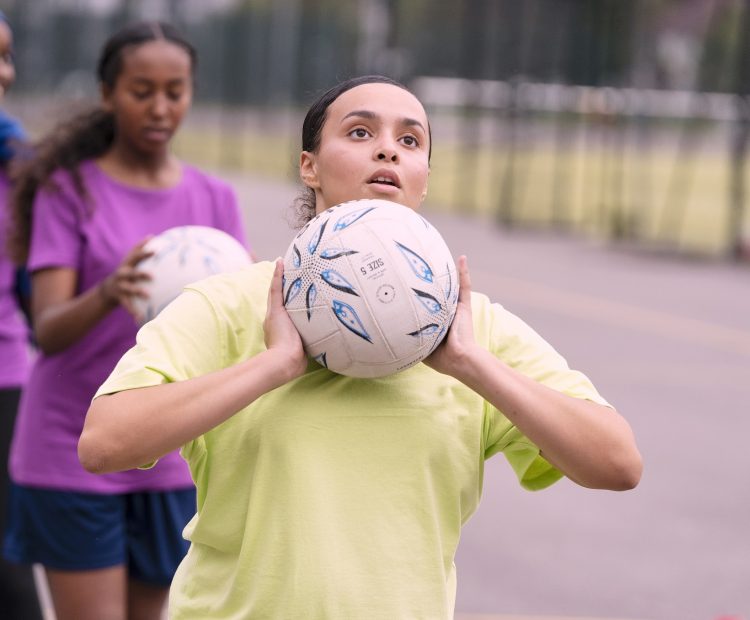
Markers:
point(332, 497)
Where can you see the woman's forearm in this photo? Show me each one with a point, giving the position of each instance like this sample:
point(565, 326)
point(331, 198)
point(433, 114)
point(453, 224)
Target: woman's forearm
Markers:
point(60, 325)
point(590, 443)
point(135, 427)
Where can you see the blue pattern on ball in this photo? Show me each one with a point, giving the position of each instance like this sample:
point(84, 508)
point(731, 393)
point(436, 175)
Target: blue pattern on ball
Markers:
point(426, 330)
point(418, 265)
point(331, 253)
point(352, 217)
point(428, 301)
point(293, 291)
point(349, 319)
point(337, 281)
point(313, 245)
point(310, 296)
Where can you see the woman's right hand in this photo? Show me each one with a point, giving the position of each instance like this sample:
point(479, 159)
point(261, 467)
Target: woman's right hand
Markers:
point(62, 315)
point(123, 284)
point(280, 334)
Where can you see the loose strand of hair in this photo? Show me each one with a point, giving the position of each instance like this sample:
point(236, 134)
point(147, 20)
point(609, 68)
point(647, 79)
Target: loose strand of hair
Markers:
point(303, 208)
point(85, 136)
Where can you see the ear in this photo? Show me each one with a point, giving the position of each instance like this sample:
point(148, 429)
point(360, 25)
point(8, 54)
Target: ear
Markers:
point(308, 170)
point(105, 92)
point(426, 183)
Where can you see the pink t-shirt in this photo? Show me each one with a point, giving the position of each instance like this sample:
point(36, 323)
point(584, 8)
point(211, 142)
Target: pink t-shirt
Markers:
point(92, 237)
point(14, 348)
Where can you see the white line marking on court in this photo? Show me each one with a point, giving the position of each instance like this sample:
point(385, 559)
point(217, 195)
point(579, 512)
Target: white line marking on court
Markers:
point(609, 312)
point(42, 592)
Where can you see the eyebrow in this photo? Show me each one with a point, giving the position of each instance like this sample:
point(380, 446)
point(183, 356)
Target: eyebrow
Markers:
point(409, 122)
point(138, 79)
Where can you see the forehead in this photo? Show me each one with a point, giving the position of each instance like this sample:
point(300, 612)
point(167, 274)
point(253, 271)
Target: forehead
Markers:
point(386, 100)
point(155, 55)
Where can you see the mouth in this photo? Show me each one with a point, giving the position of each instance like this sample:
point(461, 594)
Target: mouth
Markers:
point(158, 134)
point(385, 178)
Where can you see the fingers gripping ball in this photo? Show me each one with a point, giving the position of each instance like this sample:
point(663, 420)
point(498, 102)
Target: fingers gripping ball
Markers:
point(371, 287)
point(183, 255)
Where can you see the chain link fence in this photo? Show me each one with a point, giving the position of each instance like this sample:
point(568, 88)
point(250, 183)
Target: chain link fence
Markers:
point(626, 121)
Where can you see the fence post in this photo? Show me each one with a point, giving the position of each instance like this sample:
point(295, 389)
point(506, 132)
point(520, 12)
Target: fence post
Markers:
point(739, 140)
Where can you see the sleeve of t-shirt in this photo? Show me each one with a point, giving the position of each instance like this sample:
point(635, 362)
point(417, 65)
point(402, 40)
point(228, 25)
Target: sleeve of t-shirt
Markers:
point(182, 342)
point(55, 232)
point(519, 346)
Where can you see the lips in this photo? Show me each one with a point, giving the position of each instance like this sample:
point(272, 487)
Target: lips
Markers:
point(385, 178)
point(159, 134)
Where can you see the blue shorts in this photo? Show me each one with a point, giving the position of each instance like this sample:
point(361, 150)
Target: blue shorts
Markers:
point(66, 530)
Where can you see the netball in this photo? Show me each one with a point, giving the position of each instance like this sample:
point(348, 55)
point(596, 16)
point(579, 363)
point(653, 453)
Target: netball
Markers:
point(371, 287)
point(182, 255)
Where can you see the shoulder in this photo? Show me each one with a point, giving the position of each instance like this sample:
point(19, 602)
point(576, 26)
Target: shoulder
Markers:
point(63, 181)
point(238, 294)
point(209, 189)
point(503, 332)
point(194, 177)
point(482, 310)
point(493, 316)
point(61, 187)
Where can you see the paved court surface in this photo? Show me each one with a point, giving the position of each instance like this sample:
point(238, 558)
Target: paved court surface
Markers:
point(465, 616)
point(667, 341)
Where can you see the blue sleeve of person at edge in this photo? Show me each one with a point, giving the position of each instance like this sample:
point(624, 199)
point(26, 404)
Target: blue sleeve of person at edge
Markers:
point(12, 136)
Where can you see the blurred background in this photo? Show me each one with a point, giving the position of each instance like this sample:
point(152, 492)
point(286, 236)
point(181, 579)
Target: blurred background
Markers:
point(590, 157)
point(623, 120)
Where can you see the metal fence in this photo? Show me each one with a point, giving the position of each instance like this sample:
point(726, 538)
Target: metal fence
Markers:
point(627, 121)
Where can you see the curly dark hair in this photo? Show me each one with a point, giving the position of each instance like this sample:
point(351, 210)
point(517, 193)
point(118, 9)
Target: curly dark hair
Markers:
point(85, 136)
point(312, 127)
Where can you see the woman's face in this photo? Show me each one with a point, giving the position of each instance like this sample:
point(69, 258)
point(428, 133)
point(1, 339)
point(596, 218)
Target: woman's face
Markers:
point(7, 68)
point(151, 95)
point(374, 144)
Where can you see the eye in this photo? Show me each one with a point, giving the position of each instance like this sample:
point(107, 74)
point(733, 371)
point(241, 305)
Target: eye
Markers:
point(359, 132)
point(175, 95)
point(141, 94)
point(410, 141)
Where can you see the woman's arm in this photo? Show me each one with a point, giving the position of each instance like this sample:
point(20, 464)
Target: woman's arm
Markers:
point(591, 444)
point(134, 427)
point(61, 318)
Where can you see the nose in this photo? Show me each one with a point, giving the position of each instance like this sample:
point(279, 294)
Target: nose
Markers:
point(160, 105)
point(385, 153)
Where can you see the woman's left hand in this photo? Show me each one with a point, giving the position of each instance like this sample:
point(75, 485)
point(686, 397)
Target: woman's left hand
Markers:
point(459, 342)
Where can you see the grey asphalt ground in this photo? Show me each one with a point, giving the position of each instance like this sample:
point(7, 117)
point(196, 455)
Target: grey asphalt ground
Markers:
point(667, 341)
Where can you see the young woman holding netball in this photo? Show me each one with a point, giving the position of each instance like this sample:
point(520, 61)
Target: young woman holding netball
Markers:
point(322, 496)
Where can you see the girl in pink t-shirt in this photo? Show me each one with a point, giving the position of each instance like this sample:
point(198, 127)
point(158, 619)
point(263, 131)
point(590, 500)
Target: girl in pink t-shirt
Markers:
point(18, 599)
point(96, 190)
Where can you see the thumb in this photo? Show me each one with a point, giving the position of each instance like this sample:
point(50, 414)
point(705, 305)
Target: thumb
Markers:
point(275, 292)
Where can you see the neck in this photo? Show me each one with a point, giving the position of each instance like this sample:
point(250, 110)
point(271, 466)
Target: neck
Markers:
point(134, 159)
point(150, 170)
point(320, 204)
